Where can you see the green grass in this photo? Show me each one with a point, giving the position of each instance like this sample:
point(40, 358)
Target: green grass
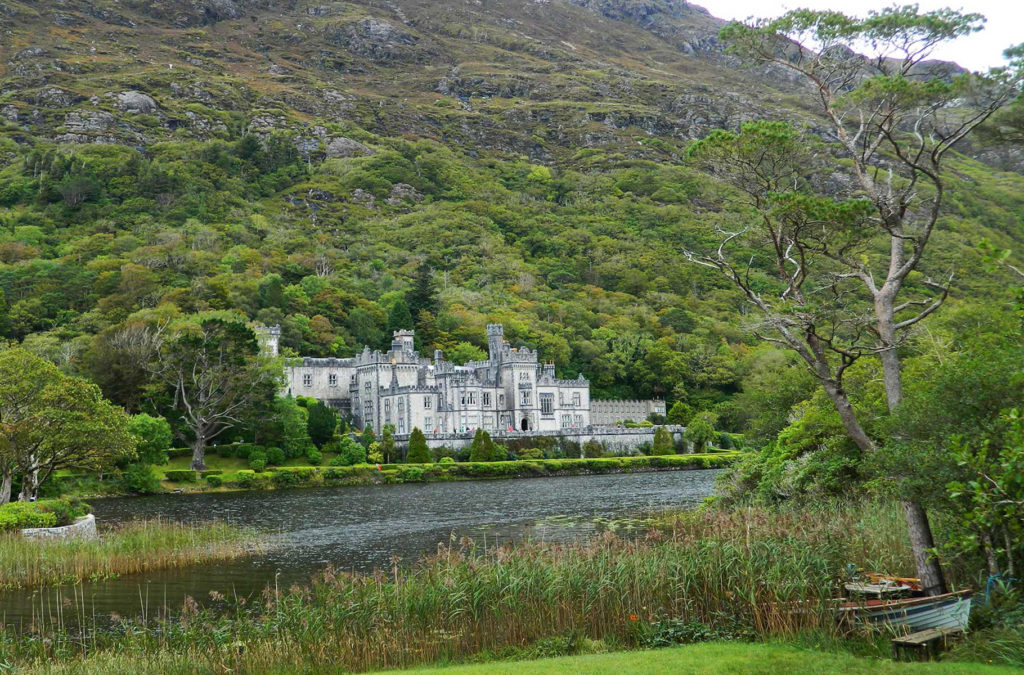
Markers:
point(134, 547)
point(769, 659)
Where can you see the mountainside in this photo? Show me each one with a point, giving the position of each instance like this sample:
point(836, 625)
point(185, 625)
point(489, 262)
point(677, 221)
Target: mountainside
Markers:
point(307, 163)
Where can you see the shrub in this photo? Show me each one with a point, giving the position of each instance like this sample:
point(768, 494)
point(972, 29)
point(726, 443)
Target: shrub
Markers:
point(257, 457)
point(419, 453)
point(214, 480)
point(375, 458)
point(245, 478)
point(182, 475)
point(314, 456)
point(410, 473)
point(140, 479)
point(531, 453)
point(663, 444)
point(592, 449)
point(19, 515)
point(210, 472)
point(275, 456)
point(46, 513)
point(446, 460)
point(701, 430)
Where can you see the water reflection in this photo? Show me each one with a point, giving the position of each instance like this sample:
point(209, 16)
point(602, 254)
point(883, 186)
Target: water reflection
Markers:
point(359, 529)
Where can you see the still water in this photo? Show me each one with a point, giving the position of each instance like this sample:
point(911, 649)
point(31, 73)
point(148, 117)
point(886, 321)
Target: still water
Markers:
point(358, 528)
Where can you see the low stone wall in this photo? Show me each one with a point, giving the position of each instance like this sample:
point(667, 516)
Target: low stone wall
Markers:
point(615, 439)
point(83, 528)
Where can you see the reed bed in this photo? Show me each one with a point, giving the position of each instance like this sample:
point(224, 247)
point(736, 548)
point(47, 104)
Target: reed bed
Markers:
point(125, 549)
point(748, 573)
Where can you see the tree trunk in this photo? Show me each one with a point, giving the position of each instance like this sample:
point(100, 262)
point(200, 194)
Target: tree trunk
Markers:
point(928, 569)
point(5, 486)
point(848, 416)
point(199, 453)
point(29, 486)
point(886, 326)
point(990, 553)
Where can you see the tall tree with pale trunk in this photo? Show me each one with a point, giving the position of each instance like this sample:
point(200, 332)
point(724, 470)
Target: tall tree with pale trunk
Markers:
point(892, 118)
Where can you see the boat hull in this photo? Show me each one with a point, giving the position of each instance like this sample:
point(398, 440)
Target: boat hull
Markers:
point(944, 611)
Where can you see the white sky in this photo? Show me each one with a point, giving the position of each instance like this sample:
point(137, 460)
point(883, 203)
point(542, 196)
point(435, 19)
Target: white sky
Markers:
point(980, 51)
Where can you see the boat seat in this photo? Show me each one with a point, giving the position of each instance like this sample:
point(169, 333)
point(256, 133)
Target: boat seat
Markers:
point(925, 643)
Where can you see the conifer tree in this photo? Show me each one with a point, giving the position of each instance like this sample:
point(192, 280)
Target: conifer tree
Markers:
point(662, 442)
point(419, 453)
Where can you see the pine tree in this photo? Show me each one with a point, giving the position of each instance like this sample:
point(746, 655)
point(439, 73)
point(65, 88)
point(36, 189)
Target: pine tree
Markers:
point(419, 453)
point(662, 442)
point(399, 318)
point(321, 423)
point(478, 451)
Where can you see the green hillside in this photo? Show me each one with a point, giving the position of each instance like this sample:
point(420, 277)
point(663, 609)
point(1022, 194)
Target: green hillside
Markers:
point(306, 162)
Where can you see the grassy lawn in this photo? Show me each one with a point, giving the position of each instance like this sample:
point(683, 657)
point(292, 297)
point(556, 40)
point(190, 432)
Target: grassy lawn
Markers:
point(713, 658)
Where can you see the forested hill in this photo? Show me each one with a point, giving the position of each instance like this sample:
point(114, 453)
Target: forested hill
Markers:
point(342, 167)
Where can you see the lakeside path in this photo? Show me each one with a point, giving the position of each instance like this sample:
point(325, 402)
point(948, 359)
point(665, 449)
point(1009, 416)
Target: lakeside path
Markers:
point(769, 659)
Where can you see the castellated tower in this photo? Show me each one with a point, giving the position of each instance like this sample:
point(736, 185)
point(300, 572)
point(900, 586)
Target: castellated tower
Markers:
point(495, 340)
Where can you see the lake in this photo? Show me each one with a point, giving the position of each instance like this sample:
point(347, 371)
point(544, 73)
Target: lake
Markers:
point(359, 529)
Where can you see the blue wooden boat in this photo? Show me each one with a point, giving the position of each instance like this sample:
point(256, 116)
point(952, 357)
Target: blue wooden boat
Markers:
point(951, 610)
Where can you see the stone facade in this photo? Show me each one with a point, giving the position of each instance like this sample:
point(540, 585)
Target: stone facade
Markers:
point(609, 412)
point(510, 391)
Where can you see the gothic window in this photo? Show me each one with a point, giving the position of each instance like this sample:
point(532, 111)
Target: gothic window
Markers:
point(547, 404)
point(428, 422)
point(426, 404)
point(368, 388)
point(561, 399)
point(576, 399)
point(369, 413)
point(332, 379)
point(578, 421)
point(307, 380)
point(566, 421)
point(524, 398)
point(487, 399)
point(387, 405)
point(471, 398)
point(501, 400)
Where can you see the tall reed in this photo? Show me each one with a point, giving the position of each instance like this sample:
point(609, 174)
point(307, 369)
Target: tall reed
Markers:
point(133, 547)
point(763, 573)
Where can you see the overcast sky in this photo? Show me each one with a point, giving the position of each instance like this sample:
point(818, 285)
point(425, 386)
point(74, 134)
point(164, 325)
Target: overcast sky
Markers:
point(1005, 26)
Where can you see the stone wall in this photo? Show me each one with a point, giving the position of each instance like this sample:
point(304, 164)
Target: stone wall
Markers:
point(83, 528)
point(615, 439)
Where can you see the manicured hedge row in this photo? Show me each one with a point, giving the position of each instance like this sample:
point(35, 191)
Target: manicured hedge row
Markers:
point(45, 513)
point(361, 474)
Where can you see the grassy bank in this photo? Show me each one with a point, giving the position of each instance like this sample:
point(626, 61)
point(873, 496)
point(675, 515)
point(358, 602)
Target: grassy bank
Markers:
point(703, 577)
point(766, 659)
point(127, 549)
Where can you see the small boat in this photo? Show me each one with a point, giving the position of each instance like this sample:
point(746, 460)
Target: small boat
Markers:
point(950, 610)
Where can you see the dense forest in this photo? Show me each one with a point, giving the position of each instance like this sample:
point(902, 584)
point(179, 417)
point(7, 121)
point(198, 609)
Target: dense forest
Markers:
point(410, 203)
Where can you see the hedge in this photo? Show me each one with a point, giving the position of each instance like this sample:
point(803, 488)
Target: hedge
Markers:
point(45, 513)
point(182, 475)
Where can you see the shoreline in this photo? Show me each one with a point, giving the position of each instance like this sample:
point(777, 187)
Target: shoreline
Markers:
point(214, 480)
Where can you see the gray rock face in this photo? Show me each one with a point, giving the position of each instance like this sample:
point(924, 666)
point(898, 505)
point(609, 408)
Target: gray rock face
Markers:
point(55, 97)
point(341, 147)
point(82, 123)
point(402, 193)
point(377, 40)
point(136, 102)
point(29, 53)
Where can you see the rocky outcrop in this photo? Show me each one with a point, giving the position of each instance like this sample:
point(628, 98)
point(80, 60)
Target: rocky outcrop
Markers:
point(136, 102)
point(378, 40)
point(341, 147)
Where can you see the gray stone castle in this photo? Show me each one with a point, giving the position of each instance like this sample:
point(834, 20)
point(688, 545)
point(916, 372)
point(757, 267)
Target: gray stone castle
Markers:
point(511, 391)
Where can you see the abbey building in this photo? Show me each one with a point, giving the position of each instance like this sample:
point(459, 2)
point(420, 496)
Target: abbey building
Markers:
point(510, 391)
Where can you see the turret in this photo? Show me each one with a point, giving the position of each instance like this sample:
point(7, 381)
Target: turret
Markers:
point(403, 341)
point(495, 340)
